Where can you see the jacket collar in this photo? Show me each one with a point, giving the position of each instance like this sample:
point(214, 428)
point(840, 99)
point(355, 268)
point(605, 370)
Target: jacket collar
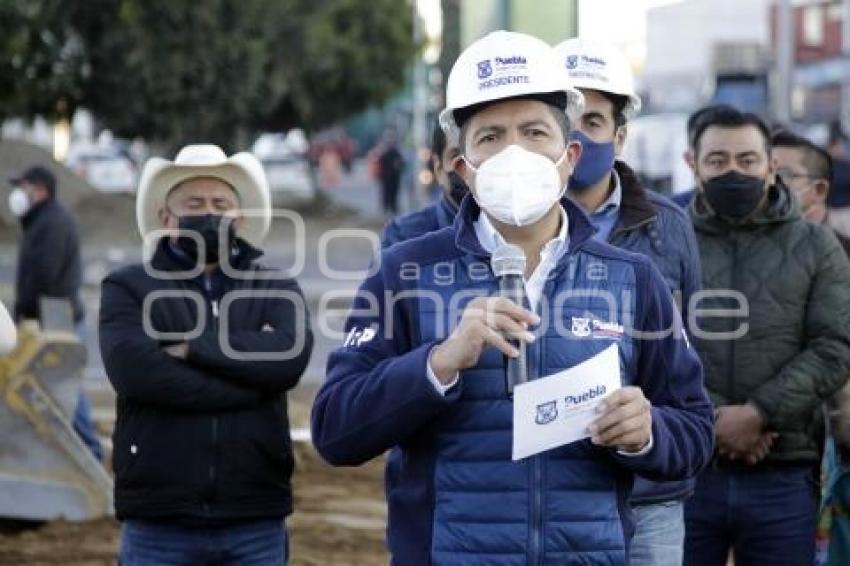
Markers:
point(635, 207)
point(779, 207)
point(446, 211)
point(580, 228)
point(166, 259)
point(36, 210)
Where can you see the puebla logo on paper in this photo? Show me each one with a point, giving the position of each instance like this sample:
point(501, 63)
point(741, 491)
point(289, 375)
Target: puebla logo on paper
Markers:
point(572, 61)
point(546, 413)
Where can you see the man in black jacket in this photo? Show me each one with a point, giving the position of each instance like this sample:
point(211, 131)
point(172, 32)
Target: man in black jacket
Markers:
point(49, 265)
point(201, 344)
point(49, 256)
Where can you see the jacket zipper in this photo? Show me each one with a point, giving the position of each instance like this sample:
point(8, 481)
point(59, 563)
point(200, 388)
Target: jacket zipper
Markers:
point(536, 553)
point(537, 461)
point(731, 368)
point(213, 471)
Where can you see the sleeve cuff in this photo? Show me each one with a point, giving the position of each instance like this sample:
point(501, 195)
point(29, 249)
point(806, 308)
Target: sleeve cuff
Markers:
point(441, 389)
point(758, 406)
point(642, 452)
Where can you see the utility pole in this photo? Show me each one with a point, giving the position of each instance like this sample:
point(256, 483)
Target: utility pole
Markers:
point(504, 15)
point(784, 61)
point(845, 50)
point(420, 109)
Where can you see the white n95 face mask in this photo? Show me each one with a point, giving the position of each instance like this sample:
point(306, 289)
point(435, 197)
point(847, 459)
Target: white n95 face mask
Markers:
point(517, 186)
point(19, 202)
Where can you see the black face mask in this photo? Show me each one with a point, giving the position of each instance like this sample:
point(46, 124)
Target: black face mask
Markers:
point(208, 226)
point(457, 188)
point(734, 195)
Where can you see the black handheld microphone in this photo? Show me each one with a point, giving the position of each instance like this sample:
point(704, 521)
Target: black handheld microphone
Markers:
point(508, 264)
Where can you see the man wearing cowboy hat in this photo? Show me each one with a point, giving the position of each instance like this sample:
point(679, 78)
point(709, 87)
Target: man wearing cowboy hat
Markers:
point(201, 344)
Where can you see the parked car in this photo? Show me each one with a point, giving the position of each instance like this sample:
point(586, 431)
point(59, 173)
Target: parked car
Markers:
point(105, 168)
point(284, 159)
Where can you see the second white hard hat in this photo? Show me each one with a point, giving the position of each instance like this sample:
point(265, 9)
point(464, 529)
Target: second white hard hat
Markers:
point(598, 66)
point(504, 65)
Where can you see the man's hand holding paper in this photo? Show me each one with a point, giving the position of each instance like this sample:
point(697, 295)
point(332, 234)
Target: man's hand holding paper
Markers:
point(625, 421)
point(586, 400)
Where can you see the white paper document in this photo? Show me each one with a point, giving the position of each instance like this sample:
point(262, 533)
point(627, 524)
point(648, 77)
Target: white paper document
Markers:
point(557, 409)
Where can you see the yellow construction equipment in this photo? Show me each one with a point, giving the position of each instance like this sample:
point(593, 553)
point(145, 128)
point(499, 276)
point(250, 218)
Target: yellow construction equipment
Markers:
point(46, 471)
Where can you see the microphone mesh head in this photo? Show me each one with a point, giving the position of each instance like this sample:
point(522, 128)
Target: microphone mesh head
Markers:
point(508, 260)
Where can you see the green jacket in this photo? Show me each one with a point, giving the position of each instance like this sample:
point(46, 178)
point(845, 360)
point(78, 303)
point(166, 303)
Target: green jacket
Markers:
point(794, 351)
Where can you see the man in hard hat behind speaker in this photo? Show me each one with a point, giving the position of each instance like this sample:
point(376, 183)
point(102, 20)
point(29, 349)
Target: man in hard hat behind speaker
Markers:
point(413, 379)
point(629, 217)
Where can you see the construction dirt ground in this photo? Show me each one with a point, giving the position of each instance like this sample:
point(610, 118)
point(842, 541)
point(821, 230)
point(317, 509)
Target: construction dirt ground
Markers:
point(339, 519)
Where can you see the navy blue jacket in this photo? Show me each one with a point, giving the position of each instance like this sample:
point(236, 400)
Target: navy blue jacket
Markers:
point(684, 199)
point(454, 495)
point(651, 224)
point(429, 219)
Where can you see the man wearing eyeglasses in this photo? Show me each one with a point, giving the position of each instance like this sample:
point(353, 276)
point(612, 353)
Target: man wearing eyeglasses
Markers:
point(806, 169)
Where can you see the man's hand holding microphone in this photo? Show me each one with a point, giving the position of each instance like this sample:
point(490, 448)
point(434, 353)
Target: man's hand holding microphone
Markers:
point(625, 419)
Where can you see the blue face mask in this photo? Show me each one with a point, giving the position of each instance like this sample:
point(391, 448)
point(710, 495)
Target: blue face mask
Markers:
point(597, 159)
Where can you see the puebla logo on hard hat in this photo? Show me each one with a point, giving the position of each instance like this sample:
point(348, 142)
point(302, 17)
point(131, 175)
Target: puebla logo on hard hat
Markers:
point(587, 67)
point(485, 69)
point(594, 61)
point(513, 60)
point(502, 71)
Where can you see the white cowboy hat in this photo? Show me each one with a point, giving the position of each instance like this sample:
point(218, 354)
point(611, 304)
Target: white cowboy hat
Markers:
point(241, 171)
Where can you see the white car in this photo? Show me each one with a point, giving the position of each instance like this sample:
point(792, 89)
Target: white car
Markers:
point(284, 159)
point(105, 169)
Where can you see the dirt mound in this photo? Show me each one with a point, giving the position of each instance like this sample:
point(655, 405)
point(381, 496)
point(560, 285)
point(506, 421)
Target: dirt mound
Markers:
point(339, 520)
point(92, 543)
point(108, 219)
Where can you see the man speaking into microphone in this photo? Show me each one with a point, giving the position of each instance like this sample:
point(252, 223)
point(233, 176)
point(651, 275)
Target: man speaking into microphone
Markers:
point(423, 373)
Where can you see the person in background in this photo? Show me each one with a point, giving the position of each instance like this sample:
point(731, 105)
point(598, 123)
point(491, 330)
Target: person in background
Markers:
point(684, 198)
point(441, 213)
point(807, 171)
point(629, 217)
point(839, 196)
point(201, 344)
point(50, 265)
point(779, 348)
point(390, 168)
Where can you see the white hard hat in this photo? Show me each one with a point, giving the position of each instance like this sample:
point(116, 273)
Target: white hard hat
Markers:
point(502, 65)
point(599, 66)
